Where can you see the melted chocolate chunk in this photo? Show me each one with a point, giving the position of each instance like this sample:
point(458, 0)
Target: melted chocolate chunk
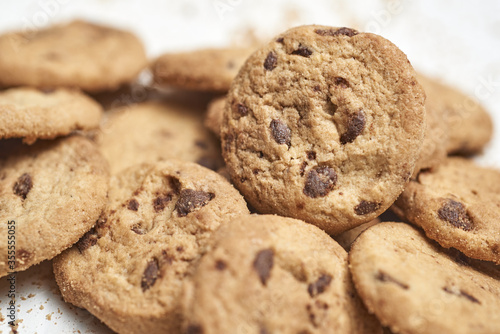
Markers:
point(311, 155)
point(220, 265)
point(89, 239)
point(320, 285)
point(384, 277)
point(161, 201)
point(454, 213)
point(281, 132)
point(190, 200)
point(336, 32)
point(320, 181)
point(23, 185)
point(461, 293)
point(133, 205)
point(241, 109)
point(194, 329)
point(271, 61)
point(150, 275)
point(365, 207)
point(303, 51)
point(263, 263)
point(355, 126)
point(342, 82)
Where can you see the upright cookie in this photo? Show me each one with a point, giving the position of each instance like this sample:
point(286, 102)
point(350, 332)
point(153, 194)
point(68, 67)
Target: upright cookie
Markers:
point(457, 205)
point(153, 131)
point(214, 115)
point(414, 286)
point(433, 151)
point(129, 270)
point(51, 193)
point(269, 274)
point(78, 54)
point(31, 114)
point(324, 124)
point(210, 70)
point(470, 127)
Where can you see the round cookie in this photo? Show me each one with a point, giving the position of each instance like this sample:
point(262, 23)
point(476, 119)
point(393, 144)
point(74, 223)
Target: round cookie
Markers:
point(51, 193)
point(214, 115)
point(210, 70)
point(414, 286)
point(324, 124)
point(77, 54)
point(457, 205)
point(31, 114)
point(469, 126)
point(270, 274)
point(153, 131)
point(129, 270)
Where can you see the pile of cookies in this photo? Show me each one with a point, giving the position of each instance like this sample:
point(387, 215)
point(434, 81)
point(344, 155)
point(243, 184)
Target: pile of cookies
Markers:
point(259, 215)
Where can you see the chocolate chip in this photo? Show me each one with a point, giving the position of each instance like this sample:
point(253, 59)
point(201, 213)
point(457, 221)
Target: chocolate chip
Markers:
point(461, 293)
point(280, 40)
point(23, 185)
point(320, 285)
point(174, 184)
point(150, 275)
point(161, 201)
point(317, 88)
point(384, 277)
point(355, 126)
point(271, 61)
point(454, 213)
point(133, 205)
point(194, 329)
point(341, 82)
point(241, 109)
point(263, 263)
point(320, 181)
point(180, 249)
point(281, 132)
point(89, 239)
point(311, 155)
point(365, 207)
point(220, 265)
point(303, 51)
point(332, 32)
point(303, 168)
point(137, 228)
point(191, 200)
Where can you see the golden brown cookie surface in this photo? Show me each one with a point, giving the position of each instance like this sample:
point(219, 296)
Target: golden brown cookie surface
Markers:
point(324, 124)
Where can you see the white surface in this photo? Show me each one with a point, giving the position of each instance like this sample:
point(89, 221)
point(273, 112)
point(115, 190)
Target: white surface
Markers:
point(458, 41)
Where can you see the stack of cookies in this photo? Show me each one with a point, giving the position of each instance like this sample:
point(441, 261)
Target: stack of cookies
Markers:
point(260, 215)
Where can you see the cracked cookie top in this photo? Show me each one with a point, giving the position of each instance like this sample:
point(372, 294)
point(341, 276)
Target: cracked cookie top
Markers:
point(270, 274)
point(129, 269)
point(324, 124)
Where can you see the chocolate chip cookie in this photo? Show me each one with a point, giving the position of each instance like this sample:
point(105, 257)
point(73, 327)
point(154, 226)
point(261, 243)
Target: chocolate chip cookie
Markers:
point(154, 131)
point(324, 124)
point(53, 192)
point(469, 126)
point(270, 274)
point(415, 286)
point(77, 54)
point(457, 205)
point(203, 70)
point(129, 269)
point(31, 114)
point(215, 112)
